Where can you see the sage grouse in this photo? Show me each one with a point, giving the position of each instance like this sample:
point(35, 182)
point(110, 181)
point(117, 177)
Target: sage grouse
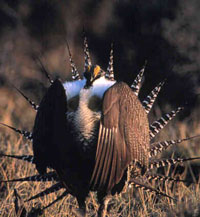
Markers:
point(93, 132)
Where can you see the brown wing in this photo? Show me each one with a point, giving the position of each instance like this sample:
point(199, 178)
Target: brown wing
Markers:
point(123, 136)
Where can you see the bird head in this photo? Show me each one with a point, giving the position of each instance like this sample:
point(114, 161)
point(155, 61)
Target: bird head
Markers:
point(91, 74)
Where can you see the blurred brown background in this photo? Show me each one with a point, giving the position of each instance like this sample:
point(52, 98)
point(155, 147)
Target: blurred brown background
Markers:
point(165, 33)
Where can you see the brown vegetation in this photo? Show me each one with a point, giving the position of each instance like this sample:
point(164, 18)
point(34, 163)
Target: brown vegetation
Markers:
point(16, 112)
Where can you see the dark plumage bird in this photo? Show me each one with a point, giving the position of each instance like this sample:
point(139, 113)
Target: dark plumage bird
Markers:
point(89, 131)
point(93, 132)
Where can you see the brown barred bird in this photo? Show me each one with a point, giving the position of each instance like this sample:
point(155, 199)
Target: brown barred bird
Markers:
point(95, 135)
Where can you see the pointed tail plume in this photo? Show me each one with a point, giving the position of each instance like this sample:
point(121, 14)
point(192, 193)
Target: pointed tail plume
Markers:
point(43, 69)
point(75, 74)
point(158, 147)
point(28, 158)
point(55, 201)
point(88, 62)
point(110, 72)
point(164, 179)
point(156, 126)
point(47, 191)
point(33, 104)
point(147, 188)
point(25, 133)
point(169, 162)
point(48, 177)
point(150, 99)
point(137, 82)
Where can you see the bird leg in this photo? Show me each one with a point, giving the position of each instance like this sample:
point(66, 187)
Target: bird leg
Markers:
point(81, 211)
point(102, 211)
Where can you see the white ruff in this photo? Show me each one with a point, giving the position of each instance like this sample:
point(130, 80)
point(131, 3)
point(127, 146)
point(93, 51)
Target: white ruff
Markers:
point(100, 86)
point(73, 88)
point(84, 118)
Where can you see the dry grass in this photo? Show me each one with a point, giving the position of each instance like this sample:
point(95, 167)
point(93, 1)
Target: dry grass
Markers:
point(16, 112)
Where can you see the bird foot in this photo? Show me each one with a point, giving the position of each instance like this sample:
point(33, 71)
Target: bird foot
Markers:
point(79, 212)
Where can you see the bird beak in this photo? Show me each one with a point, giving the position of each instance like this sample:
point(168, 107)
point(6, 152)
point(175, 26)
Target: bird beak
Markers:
point(92, 74)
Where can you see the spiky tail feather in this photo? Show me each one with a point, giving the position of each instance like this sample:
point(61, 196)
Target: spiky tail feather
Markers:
point(150, 99)
point(110, 72)
point(75, 73)
point(158, 147)
point(28, 158)
point(156, 126)
point(164, 178)
point(169, 162)
point(47, 191)
point(147, 188)
point(48, 177)
point(43, 69)
point(137, 82)
point(88, 62)
point(33, 104)
point(26, 134)
point(58, 198)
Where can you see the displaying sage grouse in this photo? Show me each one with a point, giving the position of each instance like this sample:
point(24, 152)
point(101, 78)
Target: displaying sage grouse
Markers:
point(95, 135)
